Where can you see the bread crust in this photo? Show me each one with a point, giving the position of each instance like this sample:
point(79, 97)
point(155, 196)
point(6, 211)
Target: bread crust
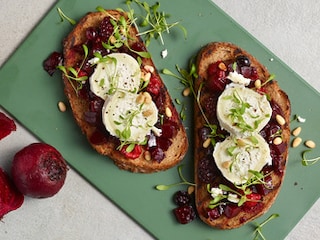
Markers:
point(176, 151)
point(225, 51)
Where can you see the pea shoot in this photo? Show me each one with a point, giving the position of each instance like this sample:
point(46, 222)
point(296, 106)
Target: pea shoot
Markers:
point(63, 17)
point(155, 20)
point(162, 187)
point(258, 230)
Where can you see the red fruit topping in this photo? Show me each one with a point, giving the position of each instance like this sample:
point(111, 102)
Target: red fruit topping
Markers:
point(7, 125)
point(214, 213)
point(39, 170)
point(182, 198)
point(232, 210)
point(10, 197)
point(184, 214)
point(154, 85)
point(135, 153)
point(252, 200)
point(52, 62)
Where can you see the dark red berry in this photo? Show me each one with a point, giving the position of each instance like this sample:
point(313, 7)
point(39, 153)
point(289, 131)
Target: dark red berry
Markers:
point(135, 153)
point(52, 62)
point(182, 198)
point(232, 210)
point(243, 61)
point(184, 214)
point(214, 213)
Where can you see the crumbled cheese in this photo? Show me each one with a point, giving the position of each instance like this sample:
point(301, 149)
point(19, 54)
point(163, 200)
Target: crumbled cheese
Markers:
point(215, 192)
point(238, 78)
point(233, 198)
point(164, 53)
point(301, 119)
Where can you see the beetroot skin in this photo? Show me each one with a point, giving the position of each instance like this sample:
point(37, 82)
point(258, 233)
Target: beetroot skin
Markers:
point(39, 170)
point(10, 197)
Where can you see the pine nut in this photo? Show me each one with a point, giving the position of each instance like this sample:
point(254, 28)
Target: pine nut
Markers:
point(296, 142)
point(241, 142)
point(140, 99)
point(146, 77)
point(310, 144)
point(186, 92)
point(190, 190)
point(147, 155)
point(277, 141)
point(222, 66)
point(149, 68)
point(280, 120)
point(296, 131)
point(147, 113)
point(257, 83)
point(148, 98)
point(168, 112)
point(226, 164)
point(62, 107)
point(206, 143)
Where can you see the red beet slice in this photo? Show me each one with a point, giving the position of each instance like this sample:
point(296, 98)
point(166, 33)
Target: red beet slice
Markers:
point(7, 125)
point(10, 197)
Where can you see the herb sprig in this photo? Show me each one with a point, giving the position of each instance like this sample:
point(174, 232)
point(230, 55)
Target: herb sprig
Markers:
point(63, 17)
point(156, 21)
point(162, 187)
point(258, 230)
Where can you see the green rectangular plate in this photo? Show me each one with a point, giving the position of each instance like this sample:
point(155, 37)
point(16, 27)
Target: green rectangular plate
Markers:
point(31, 96)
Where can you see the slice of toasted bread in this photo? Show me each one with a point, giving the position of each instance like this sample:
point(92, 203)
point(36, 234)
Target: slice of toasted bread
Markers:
point(225, 214)
point(109, 145)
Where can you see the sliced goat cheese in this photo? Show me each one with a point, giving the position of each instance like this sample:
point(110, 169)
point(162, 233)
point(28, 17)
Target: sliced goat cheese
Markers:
point(242, 111)
point(236, 156)
point(127, 119)
point(117, 71)
point(238, 78)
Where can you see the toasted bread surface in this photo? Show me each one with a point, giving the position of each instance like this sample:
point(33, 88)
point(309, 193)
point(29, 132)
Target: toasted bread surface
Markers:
point(227, 52)
point(80, 105)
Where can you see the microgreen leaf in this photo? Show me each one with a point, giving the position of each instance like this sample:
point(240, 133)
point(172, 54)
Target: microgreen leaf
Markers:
point(258, 230)
point(155, 20)
point(63, 16)
point(162, 187)
point(308, 162)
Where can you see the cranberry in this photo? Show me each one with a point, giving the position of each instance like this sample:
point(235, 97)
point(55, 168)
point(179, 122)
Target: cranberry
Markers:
point(184, 214)
point(157, 154)
point(206, 170)
point(98, 138)
point(154, 85)
point(243, 61)
point(214, 213)
point(135, 153)
point(169, 129)
point(106, 29)
point(163, 143)
point(252, 200)
point(217, 81)
point(91, 34)
point(52, 62)
point(231, 210)
point(182, 198)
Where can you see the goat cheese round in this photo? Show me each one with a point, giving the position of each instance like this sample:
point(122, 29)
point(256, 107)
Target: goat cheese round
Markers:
point(128, 119)
point(236, 156)
point(117, 71)
point(242, 111)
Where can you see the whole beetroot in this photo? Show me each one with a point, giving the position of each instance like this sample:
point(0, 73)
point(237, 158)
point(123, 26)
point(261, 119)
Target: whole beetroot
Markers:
point(39, 170)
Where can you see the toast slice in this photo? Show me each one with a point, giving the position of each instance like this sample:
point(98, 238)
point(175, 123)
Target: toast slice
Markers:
point(109, 32)
point(221, 201)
